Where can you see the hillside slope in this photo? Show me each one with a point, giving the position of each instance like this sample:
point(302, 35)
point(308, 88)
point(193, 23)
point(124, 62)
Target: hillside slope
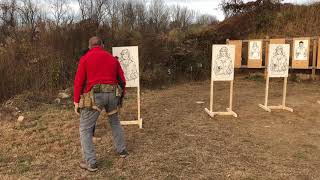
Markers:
point(286, 20)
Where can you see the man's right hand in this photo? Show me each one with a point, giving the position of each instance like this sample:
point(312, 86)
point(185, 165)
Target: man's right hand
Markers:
point(121, 100)
point(76, 108)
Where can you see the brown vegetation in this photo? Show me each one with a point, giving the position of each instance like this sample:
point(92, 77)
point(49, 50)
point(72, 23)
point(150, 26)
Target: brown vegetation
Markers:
point(39, 49)
point(179, 140)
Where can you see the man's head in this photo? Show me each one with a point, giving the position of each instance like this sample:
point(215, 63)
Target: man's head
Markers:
point(301, 44)
point(95, 41)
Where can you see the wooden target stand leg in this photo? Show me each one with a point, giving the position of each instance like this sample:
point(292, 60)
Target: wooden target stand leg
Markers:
point(283, 105)
point(318, 102)
point(139, 121)
point(229, 111)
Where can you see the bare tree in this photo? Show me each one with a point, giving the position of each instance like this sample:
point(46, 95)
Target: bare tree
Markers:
point(94, 10)
point(8, 12)
point(60, 11)
point(128, 15)
point(234, 7)
point(206, 19)
point(29, 15)
point(141, 12)
point(181, 17)
point(158, 15)
point(112, 17)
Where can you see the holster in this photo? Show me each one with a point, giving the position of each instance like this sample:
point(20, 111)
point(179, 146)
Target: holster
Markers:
point(87, 101)
point(107, 88)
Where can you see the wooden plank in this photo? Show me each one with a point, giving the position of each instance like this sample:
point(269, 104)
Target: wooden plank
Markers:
point(255, 63)
point(231, 95)
point(300, 64)
point(266, 108)
point(285, 82)
point(314, 59)
point(238, 58)
point(267, 92)
point(136, 122)
point(227, 113)
point(280, 107)
point(318, 54)
point(139, 107)
point(277, 41)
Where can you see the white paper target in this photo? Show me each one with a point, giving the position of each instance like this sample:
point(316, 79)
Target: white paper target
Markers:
point(301, 49)
point(255, 50)
point(223, 57)
point(129, 60)
point(278, 60)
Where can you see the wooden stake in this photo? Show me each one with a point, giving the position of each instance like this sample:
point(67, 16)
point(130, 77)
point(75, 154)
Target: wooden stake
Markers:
point(266, 57)
point(231, 95)
point(314, 59)
point(139, 107)
point(284, 91)
point(267, 91)
point(211, 96)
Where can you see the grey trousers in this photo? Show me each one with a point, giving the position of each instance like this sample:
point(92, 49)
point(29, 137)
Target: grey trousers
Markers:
point(88, 120)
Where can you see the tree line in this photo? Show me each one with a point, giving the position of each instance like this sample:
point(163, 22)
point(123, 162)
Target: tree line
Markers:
point(41, 41)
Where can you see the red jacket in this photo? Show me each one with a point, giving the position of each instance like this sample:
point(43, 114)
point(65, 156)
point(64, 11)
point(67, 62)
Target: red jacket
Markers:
point(96, 67)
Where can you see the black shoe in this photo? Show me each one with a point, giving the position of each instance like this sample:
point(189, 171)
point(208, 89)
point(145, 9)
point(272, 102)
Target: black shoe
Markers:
point(91, 168)
point(124, 153)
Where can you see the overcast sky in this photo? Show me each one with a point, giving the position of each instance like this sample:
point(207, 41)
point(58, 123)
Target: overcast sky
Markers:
point(206, 6)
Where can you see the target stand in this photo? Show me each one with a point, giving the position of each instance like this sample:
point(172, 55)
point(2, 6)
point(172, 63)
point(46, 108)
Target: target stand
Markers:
point(139, 121)
point(318, 102)
point(223, 57)
point(129, 60)
point(229, 111)
point(279, 107)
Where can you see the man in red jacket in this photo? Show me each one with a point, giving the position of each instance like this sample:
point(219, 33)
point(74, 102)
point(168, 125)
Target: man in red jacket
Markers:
point(98, 73)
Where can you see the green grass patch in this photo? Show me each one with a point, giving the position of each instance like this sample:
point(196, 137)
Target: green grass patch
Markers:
point(106, 164)
point(23, 164)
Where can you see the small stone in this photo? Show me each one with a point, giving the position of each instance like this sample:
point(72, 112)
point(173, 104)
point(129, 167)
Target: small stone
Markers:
point(57, 101)
point(63, 95)
point(20, 119)
point(200, 102)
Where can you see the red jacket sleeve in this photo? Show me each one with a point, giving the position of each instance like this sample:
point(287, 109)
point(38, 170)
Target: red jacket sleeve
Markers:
point(121, 75)
point(79, 80)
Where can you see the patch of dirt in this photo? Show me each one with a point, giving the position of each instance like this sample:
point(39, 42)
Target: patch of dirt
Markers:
point(179, 140)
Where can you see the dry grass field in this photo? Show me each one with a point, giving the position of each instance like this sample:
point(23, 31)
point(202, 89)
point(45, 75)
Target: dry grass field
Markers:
point(179, 140)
